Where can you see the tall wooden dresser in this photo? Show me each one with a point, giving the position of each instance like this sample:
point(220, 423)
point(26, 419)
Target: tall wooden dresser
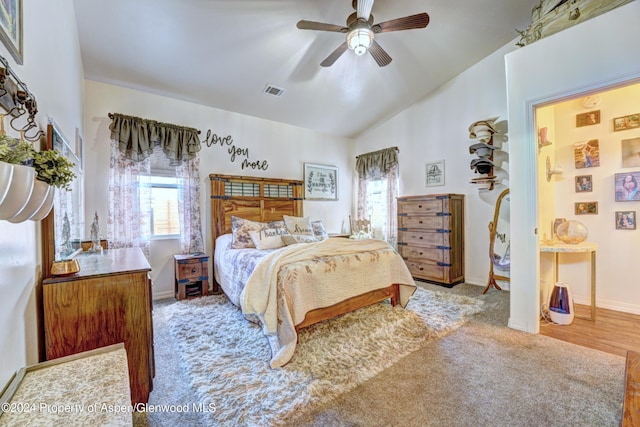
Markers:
point(107, 302)
point(431, 237)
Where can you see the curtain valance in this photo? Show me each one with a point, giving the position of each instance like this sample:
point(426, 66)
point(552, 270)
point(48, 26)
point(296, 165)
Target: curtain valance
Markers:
point(137, 137)
point(376, 163)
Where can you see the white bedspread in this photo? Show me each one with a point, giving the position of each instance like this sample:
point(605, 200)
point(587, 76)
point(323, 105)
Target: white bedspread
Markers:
point(288, 283)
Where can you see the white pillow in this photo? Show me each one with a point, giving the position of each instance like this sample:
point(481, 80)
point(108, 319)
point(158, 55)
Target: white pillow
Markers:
point(292, 239)
point(269, 238)
point(298, 225)
point(241, 227)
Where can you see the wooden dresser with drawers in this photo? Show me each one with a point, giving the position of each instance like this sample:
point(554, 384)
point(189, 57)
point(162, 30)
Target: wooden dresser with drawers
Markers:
point(431, 237)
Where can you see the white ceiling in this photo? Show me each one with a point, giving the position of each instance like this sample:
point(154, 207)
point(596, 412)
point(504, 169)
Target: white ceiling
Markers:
point(223, 53)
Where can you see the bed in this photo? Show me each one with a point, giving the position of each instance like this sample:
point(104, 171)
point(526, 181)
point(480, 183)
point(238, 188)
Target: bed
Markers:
point(288, 288)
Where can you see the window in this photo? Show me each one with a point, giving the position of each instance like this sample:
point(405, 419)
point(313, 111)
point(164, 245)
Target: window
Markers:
point(165, 220)
point(377, 202)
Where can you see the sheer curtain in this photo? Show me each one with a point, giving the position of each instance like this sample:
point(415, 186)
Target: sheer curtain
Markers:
point(133, 144)
point(188, 173)
point(129, 219)
point(380, 166)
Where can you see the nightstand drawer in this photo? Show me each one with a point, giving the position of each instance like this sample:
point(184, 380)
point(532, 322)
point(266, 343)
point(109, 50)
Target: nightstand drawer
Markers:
point(190, 270)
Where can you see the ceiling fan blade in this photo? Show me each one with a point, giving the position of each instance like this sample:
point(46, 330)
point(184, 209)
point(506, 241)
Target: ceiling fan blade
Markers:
point(379, 54)
point(411, 22)
point(329, 60)
point(363, 8)
point(311, 25)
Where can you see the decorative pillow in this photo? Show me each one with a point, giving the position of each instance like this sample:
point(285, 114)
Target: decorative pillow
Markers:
point(269, 238)
point(298, 225)
point(319, 231)
point(292, 239)
point(241, 228)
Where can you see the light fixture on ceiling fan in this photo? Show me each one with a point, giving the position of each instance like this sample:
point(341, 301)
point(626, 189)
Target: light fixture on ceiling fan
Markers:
point(361, 32)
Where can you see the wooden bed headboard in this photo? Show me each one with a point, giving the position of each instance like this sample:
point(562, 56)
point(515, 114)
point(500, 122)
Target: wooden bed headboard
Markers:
point(253, 198)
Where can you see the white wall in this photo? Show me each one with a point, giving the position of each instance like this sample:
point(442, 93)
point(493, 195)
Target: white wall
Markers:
point(286, 148)
point(437, 127)
point(52, 71)
point(588, 56)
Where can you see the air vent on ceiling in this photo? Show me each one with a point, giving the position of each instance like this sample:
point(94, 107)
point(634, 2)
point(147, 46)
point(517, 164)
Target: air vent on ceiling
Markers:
point(272, 90)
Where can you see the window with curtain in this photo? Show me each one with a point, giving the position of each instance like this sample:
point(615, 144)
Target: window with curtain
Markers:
point(378, 189)
point(154, 184)
point(164, 184)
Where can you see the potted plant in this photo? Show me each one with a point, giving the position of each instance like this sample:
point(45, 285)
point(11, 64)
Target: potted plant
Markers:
point(22, 197)
point(17, 178)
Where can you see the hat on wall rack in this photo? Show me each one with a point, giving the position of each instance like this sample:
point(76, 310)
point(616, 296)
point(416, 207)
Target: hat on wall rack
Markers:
point(482, 130)
point(482, 149)
point(482, 165)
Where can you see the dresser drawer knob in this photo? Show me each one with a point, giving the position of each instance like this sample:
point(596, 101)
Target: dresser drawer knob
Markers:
point(420, 222)
point(193, 270)
point(420, 237)
point(419, 206)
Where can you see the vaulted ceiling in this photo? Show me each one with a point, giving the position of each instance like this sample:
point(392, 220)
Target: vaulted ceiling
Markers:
point(224, 53)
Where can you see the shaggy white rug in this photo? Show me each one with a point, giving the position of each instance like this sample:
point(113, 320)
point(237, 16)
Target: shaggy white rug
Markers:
point(227, 358)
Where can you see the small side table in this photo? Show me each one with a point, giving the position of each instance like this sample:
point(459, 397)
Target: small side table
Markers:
point(192, 275)
point(584, 247)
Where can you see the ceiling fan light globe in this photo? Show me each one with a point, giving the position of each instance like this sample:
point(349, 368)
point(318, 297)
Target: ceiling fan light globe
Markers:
point(359, 40)
point(360, 50)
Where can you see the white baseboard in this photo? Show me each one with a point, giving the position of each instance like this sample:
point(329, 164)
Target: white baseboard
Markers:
point(163, 295)
point(609, 305)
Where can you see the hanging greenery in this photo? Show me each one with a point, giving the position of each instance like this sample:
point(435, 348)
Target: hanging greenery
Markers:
point(54, 169)
point(15, 151)
point(50, 166)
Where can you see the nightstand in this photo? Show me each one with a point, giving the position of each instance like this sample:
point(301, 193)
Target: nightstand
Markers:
point(192, 275)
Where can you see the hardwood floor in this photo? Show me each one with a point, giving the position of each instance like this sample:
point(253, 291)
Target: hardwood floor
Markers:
point(612, 332)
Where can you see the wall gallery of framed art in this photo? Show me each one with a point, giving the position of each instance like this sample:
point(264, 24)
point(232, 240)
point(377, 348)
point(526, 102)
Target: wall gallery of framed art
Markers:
point(595, 140)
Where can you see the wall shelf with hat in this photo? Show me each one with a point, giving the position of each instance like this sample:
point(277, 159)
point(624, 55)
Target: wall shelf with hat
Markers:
point(483, 132)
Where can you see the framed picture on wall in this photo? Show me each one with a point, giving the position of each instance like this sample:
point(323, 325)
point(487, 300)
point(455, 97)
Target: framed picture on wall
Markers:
point(434, 174)
point(627, 186)
point(320, 182)
point(79, 148)
point(586, 208)
point(583, 183)
point(11, 27)
point(626, 122)
point(625, 220)
point(588, 119)
point(630, 152)
point(586, 154)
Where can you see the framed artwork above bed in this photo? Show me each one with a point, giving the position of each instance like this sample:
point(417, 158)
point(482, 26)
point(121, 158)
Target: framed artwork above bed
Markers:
point(320, 182)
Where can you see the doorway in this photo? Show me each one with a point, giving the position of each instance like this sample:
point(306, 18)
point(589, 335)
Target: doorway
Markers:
point(587, 145)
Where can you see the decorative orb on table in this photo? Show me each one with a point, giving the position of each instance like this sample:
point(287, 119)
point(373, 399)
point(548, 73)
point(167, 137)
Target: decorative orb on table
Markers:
point(572, 232)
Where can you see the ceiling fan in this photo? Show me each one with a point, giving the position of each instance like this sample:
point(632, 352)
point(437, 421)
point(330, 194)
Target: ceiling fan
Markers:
point(361, 31)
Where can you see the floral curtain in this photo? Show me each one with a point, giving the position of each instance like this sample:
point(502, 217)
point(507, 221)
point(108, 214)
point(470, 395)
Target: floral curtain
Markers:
point(129, 219)
point(133, 142)
point(188, 173)
point(380, 165)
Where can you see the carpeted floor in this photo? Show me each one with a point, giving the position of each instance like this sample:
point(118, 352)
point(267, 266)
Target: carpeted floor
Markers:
point(481, 374)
